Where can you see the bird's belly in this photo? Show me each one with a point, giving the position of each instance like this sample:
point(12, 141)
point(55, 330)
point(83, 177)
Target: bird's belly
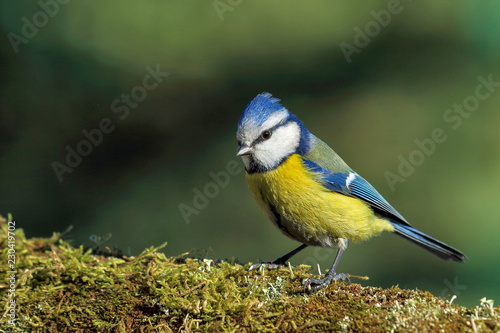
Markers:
point(306, 211)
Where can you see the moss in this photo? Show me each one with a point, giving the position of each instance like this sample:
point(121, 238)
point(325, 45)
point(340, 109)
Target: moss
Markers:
point(61, 288)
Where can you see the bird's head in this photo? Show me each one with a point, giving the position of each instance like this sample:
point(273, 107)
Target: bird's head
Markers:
point(267, 134)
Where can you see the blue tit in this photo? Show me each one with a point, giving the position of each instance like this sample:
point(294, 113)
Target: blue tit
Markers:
point(310, 194)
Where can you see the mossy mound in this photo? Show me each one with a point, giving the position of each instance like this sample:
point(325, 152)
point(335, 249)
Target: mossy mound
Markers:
point(61, 288)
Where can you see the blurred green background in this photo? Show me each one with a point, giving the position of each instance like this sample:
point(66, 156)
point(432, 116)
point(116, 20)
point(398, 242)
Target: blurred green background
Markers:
point(78, 57)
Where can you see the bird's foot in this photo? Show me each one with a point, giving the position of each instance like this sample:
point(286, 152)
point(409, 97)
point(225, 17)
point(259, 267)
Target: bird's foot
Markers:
point(312, 285)
point(268, 265)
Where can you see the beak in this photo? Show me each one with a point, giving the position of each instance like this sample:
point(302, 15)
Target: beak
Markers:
point(244, 150)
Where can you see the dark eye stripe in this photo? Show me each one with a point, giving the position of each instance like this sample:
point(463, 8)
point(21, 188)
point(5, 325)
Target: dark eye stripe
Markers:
point(271, 130)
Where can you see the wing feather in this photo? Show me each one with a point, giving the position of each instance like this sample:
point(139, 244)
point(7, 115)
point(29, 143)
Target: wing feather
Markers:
point(351, 184)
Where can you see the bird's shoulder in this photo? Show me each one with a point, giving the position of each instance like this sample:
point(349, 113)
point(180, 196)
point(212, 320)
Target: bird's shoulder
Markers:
point(325, 157)
point(337, 176)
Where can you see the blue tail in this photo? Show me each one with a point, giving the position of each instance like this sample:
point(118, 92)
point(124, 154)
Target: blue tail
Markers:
point(430, 244)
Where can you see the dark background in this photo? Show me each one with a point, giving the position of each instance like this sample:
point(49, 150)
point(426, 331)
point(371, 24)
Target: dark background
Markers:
point(62, 76)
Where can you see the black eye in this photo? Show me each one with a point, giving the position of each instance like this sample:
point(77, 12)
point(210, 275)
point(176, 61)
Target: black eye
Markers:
point(266, 135)
point(239, 142)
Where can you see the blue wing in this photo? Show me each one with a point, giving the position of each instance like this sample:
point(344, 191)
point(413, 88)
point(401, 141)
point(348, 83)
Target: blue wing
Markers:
point(353, 185)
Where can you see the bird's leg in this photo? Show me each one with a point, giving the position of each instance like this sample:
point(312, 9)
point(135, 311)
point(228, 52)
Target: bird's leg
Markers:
point(278, 263)
point(316, 284)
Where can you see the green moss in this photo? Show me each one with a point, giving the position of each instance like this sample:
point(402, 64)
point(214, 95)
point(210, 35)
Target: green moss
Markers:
point(60, 287)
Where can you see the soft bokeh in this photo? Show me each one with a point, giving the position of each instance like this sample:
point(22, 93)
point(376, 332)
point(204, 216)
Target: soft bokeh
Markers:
point(63, 72)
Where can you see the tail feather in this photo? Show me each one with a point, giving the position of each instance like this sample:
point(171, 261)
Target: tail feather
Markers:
point(440, 249)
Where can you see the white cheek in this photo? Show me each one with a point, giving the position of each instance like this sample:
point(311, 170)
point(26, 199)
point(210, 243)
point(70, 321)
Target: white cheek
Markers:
point(283, 143)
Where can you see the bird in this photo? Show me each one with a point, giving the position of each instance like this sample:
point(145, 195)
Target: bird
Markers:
point(310, 194)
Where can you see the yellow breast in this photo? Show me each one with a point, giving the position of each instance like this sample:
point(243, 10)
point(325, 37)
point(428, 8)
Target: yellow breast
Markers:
point(294, 199)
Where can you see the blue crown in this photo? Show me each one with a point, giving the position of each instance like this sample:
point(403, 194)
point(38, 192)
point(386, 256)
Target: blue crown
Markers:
point(259, 109)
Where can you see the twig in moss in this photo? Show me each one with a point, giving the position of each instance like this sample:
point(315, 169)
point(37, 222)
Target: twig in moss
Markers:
point(359, 277)
point(192, 289)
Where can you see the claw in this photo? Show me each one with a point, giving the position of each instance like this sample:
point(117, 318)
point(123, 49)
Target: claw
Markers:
point(278, 263)
point(313, 285)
